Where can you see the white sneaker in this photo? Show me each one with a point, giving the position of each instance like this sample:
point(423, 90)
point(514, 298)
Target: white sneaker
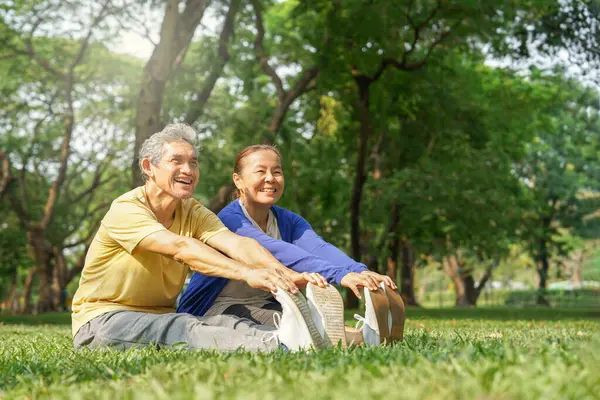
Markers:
point(397, 314)
point(296, 330)
point(327, 311)
point(375, 324)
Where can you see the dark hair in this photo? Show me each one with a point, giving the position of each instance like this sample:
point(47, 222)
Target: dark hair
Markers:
point(237, 166)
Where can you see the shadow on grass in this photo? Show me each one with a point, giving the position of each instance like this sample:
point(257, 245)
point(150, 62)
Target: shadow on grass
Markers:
point(500, 313)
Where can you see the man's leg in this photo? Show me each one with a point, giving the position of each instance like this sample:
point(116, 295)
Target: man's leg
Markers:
point(260, 315)
point(125, 329)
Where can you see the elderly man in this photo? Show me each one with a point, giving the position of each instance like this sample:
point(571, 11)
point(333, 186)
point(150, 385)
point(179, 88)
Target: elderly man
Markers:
point(139, 258)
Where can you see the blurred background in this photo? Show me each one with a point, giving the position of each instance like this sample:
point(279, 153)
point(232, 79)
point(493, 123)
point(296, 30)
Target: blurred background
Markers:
point(451, 144)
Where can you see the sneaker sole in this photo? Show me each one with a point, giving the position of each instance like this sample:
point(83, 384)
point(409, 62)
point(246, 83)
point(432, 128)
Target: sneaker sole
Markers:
point(398, 311)
point(302, 307)
point(330, 305)
point(382, 309)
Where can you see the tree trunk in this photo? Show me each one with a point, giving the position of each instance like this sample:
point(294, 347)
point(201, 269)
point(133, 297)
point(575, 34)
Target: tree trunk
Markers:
point(26, 299)
point(176, 33)
point(392, 259)
point(5, 173)
point(472, 288)
point(197, 107)
point(359, 179)
point(59, 275)
point(471, 293)
point(543, 265)
point(542, 270)
point(305, 82)
point(407, 275)
point(7, 303)
point(223, 197)
point(577, 267)
point(37, 245)
point(453, 270)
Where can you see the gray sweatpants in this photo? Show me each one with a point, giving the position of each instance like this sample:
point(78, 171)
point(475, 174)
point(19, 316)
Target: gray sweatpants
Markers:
point(261, 315)
point(125, 329)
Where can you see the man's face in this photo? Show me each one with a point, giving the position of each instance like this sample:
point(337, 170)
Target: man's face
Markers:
point(177, 172)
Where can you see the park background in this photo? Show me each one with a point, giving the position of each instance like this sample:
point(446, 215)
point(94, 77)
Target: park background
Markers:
point(451, 144)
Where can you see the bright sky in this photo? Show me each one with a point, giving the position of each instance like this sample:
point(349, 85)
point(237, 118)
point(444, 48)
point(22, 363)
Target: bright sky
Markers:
point(135, 45)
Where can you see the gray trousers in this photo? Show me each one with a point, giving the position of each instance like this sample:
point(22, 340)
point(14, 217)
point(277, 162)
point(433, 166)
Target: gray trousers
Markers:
point(125, 329)
point(260, 315)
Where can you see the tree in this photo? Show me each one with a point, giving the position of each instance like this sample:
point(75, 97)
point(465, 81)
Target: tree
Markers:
point(176, 34)
point(561, 165)
point(53, 76)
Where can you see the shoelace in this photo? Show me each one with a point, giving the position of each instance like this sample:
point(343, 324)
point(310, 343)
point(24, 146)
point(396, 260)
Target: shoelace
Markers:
point(361, 321)
point(269, 336)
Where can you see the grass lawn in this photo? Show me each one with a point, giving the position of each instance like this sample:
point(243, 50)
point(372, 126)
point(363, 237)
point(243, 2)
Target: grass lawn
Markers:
point(447, 354)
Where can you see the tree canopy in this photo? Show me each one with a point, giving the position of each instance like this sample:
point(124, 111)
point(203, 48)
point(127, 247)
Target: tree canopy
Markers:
point(410, 131)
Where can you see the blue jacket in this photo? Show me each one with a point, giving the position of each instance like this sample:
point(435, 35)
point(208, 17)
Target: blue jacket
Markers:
point(300, 249)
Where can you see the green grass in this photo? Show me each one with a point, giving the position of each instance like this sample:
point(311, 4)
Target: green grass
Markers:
point(481, 353)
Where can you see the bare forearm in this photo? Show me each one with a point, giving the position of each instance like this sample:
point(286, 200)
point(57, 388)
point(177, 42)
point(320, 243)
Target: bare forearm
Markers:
point(206, 260)
point(251, 253)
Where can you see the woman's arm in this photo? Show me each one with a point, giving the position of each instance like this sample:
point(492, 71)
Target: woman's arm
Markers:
point(287, 254)
point(306, 238)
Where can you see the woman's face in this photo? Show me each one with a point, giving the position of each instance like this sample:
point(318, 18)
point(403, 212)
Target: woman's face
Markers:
point(261, 180)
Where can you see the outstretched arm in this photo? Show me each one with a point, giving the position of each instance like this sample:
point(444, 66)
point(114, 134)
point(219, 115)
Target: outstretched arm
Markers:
point(206, 260)
point(305, 237)
point(287, 254)
point(250, 252)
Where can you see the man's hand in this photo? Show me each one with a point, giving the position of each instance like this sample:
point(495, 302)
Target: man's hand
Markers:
point(380, 278)
point(268, 280)
point(353, 281)
point(301, 279)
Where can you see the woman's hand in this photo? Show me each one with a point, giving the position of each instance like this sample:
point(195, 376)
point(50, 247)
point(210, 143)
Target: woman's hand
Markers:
point(381, 278)
point(353, 281)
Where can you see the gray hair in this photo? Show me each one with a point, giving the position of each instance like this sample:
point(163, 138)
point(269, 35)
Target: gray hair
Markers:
point(153, 148)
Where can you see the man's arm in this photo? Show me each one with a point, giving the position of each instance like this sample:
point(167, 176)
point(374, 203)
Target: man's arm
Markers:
point(251, 253)
point(206, 260)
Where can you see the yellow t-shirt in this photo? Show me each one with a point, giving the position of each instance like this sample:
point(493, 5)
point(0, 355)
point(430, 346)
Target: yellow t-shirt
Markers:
point(114, 279)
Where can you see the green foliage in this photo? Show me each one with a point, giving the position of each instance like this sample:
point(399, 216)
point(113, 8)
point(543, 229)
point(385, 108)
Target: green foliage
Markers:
point(472, 155)
point(561, 172)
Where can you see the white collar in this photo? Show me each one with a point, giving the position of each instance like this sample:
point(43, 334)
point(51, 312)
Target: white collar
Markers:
point(272, 226)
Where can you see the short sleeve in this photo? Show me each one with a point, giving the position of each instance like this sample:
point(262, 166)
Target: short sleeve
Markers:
point(205, 223)
point(128, 222)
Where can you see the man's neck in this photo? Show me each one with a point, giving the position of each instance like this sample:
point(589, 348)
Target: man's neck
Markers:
point(162, 205)
point(258, 212)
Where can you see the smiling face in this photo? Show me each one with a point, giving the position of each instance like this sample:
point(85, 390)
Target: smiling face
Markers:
point(261, 179)
point(177, 171)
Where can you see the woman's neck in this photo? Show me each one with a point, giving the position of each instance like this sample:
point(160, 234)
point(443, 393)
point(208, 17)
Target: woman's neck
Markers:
point(258, 212)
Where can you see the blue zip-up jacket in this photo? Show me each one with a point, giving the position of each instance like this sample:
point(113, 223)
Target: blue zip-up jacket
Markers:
point(300, 249)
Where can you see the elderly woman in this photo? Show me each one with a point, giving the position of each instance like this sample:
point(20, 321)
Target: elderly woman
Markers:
point(258, 177)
